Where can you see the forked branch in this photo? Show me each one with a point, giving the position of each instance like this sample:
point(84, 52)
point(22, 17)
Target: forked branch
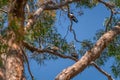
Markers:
point(89, 56)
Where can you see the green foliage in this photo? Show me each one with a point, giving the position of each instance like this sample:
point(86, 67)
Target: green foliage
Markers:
point(103, 58)
point(52, 38)
point(1, 64)
point(112, 50)
point(3, 2)
point(117, 2)
point(87, 3)
point(116, 69)
point(41, 28)
point(85, 46)
point(44, 34)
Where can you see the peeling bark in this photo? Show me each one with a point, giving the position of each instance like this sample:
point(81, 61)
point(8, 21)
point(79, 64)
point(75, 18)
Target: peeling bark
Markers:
point(89, 56)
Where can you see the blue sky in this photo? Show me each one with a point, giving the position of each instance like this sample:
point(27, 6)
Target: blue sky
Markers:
point(88, 24)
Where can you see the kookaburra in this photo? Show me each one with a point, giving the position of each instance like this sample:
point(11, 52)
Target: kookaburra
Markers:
point(72, 17)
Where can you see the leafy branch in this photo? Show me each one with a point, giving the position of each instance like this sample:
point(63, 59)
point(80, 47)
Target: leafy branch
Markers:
point(89, 56)
point(32, 48)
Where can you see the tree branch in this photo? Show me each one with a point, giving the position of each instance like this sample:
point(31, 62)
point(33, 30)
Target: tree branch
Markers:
point(71, 29)
point(112, 12)
point(101, 70)
point(110, 19)
point(41, 51)
point(28, 65)
point(69, 57)
point(89, 56)
point(57, 6)
point(46, 6)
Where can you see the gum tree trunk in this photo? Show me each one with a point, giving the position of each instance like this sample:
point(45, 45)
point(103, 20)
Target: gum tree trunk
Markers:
point(13, 67)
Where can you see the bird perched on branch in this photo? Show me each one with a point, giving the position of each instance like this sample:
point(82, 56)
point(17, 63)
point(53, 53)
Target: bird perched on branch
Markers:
point(72, 17)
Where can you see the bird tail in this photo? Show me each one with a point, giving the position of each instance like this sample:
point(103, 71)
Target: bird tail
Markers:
point(75, 19)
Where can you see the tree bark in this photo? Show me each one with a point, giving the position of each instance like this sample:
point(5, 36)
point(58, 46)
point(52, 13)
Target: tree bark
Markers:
point(13, 58)
point(89, 56)
point(2, 73)
point(14, 65)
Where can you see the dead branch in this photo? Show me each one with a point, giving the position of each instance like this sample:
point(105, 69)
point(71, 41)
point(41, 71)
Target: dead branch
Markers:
point(89, 56)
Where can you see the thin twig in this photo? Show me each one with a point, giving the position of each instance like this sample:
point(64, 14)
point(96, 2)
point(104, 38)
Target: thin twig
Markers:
point(28, 65)
point(75, 37)
point(71, 29)
point(112, 12)
point(110, 20)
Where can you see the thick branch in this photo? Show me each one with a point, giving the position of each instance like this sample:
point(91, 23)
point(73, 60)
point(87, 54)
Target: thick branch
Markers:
point(89, 56)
